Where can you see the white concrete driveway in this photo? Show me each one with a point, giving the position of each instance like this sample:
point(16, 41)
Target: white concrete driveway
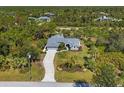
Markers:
point(49, 66)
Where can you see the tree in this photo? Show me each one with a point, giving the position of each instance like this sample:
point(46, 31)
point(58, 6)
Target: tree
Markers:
point(4, 47)
point(61, 46)
point(89, 62)
point(116, 42)
point(100, 41)
point(105, 75)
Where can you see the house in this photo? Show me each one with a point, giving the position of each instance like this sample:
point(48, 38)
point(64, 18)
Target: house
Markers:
point(104, 13)
point(49, 14)
point(67, 28)
point(105, 18)
point(42, 18)
point(56, 40)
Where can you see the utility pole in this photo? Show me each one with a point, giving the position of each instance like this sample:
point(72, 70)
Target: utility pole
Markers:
point(29, 65)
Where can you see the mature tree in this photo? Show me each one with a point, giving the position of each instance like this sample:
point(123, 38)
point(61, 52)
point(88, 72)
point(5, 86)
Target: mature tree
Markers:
point(116, 42)
point(105, 75)
point(4, 47)
point(62, 46)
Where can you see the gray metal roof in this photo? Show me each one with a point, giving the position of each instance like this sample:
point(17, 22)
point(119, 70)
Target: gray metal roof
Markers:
point(43, 18)
point(40, 18)
point(54, 41)
point(102, 18)
point(72, 41)
point(49, 14)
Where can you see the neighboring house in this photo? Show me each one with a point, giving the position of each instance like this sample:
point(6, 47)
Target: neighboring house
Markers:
point(56, 40)
point(42, 18)
point(32, 18)
point(67, 28)
point(46, 18)
point(105, 18)
point(49, 14)
point(104, 13)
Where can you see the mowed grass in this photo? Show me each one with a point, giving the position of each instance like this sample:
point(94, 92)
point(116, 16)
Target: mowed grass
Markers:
point(64, 76)
point(14, 75)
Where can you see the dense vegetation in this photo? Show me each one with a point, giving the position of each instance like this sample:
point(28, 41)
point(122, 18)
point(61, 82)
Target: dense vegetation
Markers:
point(103, 42)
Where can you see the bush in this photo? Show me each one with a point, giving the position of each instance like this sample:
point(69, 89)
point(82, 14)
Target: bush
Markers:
point(61, 46)
point(121, 66)
point(4, 64)
point(7, 63)
point(35, 52)
point(4, 47)
point(71, 67)
point(101, 41)
point(105, 75)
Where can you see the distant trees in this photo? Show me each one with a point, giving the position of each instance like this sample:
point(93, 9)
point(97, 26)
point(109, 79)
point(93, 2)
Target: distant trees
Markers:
point(44, 31)
point(113, 43)
point(3, 29)
point(19, 36)
point(116, 42)
point(85, 16)
point(101, 41)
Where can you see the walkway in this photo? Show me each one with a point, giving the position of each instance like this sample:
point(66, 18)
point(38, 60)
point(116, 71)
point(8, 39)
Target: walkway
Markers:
point(49, 66)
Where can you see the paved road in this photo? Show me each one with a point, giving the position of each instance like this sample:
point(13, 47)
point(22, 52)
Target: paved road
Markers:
point(35, 84)
point(49, 66)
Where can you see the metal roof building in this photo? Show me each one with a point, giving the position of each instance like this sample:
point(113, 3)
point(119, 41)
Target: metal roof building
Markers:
point(55, 41)
point(44, 18)
point(49, 14)
point(104, 18)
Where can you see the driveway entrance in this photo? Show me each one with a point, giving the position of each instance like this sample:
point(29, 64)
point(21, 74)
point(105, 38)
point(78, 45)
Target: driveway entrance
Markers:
point(49, 66)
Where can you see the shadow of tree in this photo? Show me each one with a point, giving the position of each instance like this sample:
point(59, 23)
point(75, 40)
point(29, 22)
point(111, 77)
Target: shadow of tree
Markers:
point(81, 83)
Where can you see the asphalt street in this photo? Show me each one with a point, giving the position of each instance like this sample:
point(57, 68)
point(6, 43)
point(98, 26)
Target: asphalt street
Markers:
point(35, 84)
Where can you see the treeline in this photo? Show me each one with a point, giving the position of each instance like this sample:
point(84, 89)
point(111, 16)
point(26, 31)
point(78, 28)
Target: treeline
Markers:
point(113, 43)
point(69, 16)
point(19, 37)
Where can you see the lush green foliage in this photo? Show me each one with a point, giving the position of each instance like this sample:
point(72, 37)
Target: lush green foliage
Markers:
point(102, 41)
point(105, 75)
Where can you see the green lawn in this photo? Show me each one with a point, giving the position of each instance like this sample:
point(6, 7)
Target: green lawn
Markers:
point(15, 75)
point(64, 76)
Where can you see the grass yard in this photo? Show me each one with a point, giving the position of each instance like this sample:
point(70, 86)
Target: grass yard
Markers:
point(69, 56)
point(15, 75)
point(71, 77)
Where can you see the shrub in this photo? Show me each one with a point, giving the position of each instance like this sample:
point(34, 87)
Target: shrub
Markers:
point(105, 75)
point(71, 67)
